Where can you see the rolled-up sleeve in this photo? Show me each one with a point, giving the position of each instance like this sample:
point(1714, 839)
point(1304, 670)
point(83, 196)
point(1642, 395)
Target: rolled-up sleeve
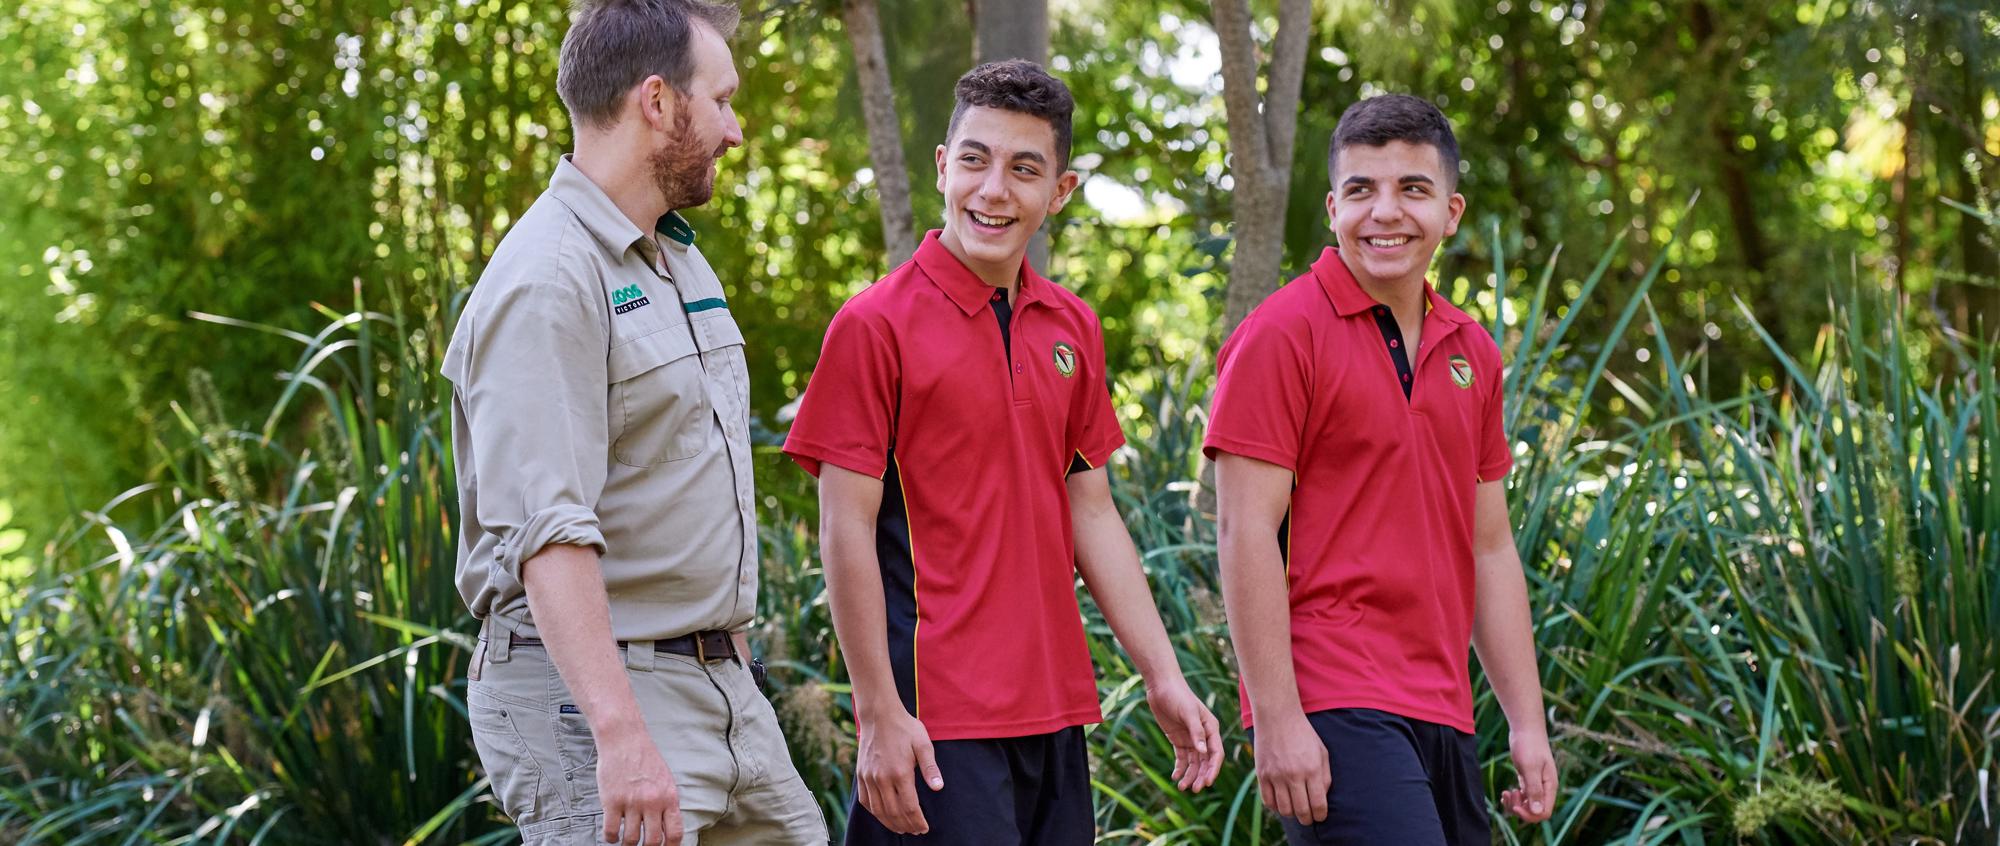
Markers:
point(529, 366)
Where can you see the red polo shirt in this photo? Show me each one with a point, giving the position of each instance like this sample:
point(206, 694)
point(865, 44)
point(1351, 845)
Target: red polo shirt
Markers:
point(972, 432)
point(1378, 540)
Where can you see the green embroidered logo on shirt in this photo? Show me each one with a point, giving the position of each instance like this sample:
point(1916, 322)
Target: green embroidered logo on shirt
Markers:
point(1461, 371)
point(628, 298)
point(1065, 356)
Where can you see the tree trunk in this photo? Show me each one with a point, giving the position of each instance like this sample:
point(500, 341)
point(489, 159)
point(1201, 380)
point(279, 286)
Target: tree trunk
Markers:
point(885, 130)
point(1261, 131)
point(1736, 189)
point(1013, 29)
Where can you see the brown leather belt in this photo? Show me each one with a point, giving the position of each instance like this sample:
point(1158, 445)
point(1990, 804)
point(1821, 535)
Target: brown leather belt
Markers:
point(703, 646)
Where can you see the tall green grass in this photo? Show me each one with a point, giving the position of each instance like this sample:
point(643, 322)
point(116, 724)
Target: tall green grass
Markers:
point(1764, 615)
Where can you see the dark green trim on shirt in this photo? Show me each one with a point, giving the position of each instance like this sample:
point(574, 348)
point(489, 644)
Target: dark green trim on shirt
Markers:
point(676, 227)
point(704, 305)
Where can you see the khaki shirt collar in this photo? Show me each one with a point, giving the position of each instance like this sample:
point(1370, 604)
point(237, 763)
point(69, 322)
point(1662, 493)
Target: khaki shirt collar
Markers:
point(601, 216)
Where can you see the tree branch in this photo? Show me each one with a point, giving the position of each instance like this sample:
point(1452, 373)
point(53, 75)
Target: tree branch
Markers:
point(1249, 148)
point(1288, 66)
point(885, 131)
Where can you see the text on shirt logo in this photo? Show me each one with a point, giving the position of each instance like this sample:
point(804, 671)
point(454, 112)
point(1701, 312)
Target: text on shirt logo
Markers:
point(628, 298)
point(1065, 356)
point(1461, 371)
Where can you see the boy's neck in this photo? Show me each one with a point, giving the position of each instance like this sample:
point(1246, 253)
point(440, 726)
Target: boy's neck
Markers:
point(1405, 297)
point(1005, 276)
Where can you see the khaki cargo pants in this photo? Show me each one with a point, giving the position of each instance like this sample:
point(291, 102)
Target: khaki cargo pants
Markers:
point(716, 730)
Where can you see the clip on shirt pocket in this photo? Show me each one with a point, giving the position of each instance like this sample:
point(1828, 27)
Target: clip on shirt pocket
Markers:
point(659, 399)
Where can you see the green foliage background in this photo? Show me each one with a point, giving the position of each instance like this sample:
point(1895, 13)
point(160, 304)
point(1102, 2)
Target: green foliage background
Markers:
point(175, 168)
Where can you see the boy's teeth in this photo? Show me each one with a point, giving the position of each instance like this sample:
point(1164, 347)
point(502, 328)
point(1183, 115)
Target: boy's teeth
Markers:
point(1389, 242)
point(992, 221)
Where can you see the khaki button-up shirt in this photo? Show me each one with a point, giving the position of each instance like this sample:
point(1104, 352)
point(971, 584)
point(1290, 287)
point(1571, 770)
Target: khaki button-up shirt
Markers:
point(601, 399)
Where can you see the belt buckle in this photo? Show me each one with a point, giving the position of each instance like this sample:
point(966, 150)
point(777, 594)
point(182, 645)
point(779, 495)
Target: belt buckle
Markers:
point(700, 648)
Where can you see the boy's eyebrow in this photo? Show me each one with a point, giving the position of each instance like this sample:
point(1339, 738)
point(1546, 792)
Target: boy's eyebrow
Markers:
point(982, 149)
point(1411, 179)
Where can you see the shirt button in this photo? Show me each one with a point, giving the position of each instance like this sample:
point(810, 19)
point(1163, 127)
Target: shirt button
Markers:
point(1382, 310)
point(1406, 377)
point(1393, 343)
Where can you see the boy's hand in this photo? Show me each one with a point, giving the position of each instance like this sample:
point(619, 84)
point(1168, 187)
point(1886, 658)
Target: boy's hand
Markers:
point(1534, 800)
point(1293, 773)
point(894, 748)
point(1193, 731)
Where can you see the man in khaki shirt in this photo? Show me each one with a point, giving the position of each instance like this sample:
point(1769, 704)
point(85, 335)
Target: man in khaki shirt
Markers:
point(601, 422)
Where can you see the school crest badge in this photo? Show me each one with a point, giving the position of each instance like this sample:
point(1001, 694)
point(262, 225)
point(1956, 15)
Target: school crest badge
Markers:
point(1065, 356)
point(1461, 372)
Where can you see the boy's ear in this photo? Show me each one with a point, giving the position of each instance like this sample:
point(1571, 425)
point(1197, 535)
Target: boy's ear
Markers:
point(1457, 203)
point(1065, 186)
point(939, 156)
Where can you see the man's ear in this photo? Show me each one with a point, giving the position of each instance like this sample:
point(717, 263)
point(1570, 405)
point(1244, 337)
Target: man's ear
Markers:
point(1065, 186)
point(1332, 200)
point(656, 102)
point(939, 155)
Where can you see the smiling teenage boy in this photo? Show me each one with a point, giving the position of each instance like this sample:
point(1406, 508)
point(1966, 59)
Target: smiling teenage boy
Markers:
point(959, 422)
point(1364, 536)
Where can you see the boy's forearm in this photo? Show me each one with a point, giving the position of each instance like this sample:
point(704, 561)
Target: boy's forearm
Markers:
point(1503, 635)
point(860, 618)
point(1110, 568)
point(1254, 596)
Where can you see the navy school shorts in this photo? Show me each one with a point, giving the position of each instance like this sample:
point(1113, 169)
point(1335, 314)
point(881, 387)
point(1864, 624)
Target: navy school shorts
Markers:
point(1015, 791)
point(1395, 780)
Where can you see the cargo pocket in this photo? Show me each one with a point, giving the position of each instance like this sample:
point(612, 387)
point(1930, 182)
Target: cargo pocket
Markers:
point(510, 765)
point(659, 399)
point(576, 751)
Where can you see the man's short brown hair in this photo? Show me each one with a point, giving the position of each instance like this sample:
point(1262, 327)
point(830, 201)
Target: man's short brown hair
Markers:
point(1378, 120)
point(613, 45)
point(1017, 85)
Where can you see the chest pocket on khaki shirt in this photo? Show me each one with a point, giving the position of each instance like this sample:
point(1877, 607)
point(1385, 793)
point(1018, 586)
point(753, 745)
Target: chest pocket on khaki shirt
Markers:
point(666, 388)
point(659, 399)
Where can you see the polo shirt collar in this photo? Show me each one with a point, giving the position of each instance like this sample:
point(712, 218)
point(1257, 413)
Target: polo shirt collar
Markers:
point(965, 287)
point(1349, 300)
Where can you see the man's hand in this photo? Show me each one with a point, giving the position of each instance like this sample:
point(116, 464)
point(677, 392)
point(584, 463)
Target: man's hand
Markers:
point(642, 807)
point(1293, 773)
point(1193, 731)
point(1534, 800)
point(894, 747)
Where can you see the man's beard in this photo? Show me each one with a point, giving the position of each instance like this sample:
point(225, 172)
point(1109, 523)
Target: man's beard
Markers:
point(683, 171)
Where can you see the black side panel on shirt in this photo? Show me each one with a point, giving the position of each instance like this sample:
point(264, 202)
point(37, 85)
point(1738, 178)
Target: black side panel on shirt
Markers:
point(899, 583)
point(1285, 538)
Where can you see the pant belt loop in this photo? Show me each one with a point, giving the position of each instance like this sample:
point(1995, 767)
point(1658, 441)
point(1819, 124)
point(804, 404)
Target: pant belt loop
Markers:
point(499, 640)
point(639, 655)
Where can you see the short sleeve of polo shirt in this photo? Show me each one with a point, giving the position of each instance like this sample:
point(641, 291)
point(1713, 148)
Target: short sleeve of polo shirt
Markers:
point(1495, 457)
point(847, 417)
point(1263, 390)
point(1093, 431)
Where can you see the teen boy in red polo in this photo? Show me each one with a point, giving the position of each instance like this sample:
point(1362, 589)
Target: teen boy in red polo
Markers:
point(959, 422)
point(1364, 537)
